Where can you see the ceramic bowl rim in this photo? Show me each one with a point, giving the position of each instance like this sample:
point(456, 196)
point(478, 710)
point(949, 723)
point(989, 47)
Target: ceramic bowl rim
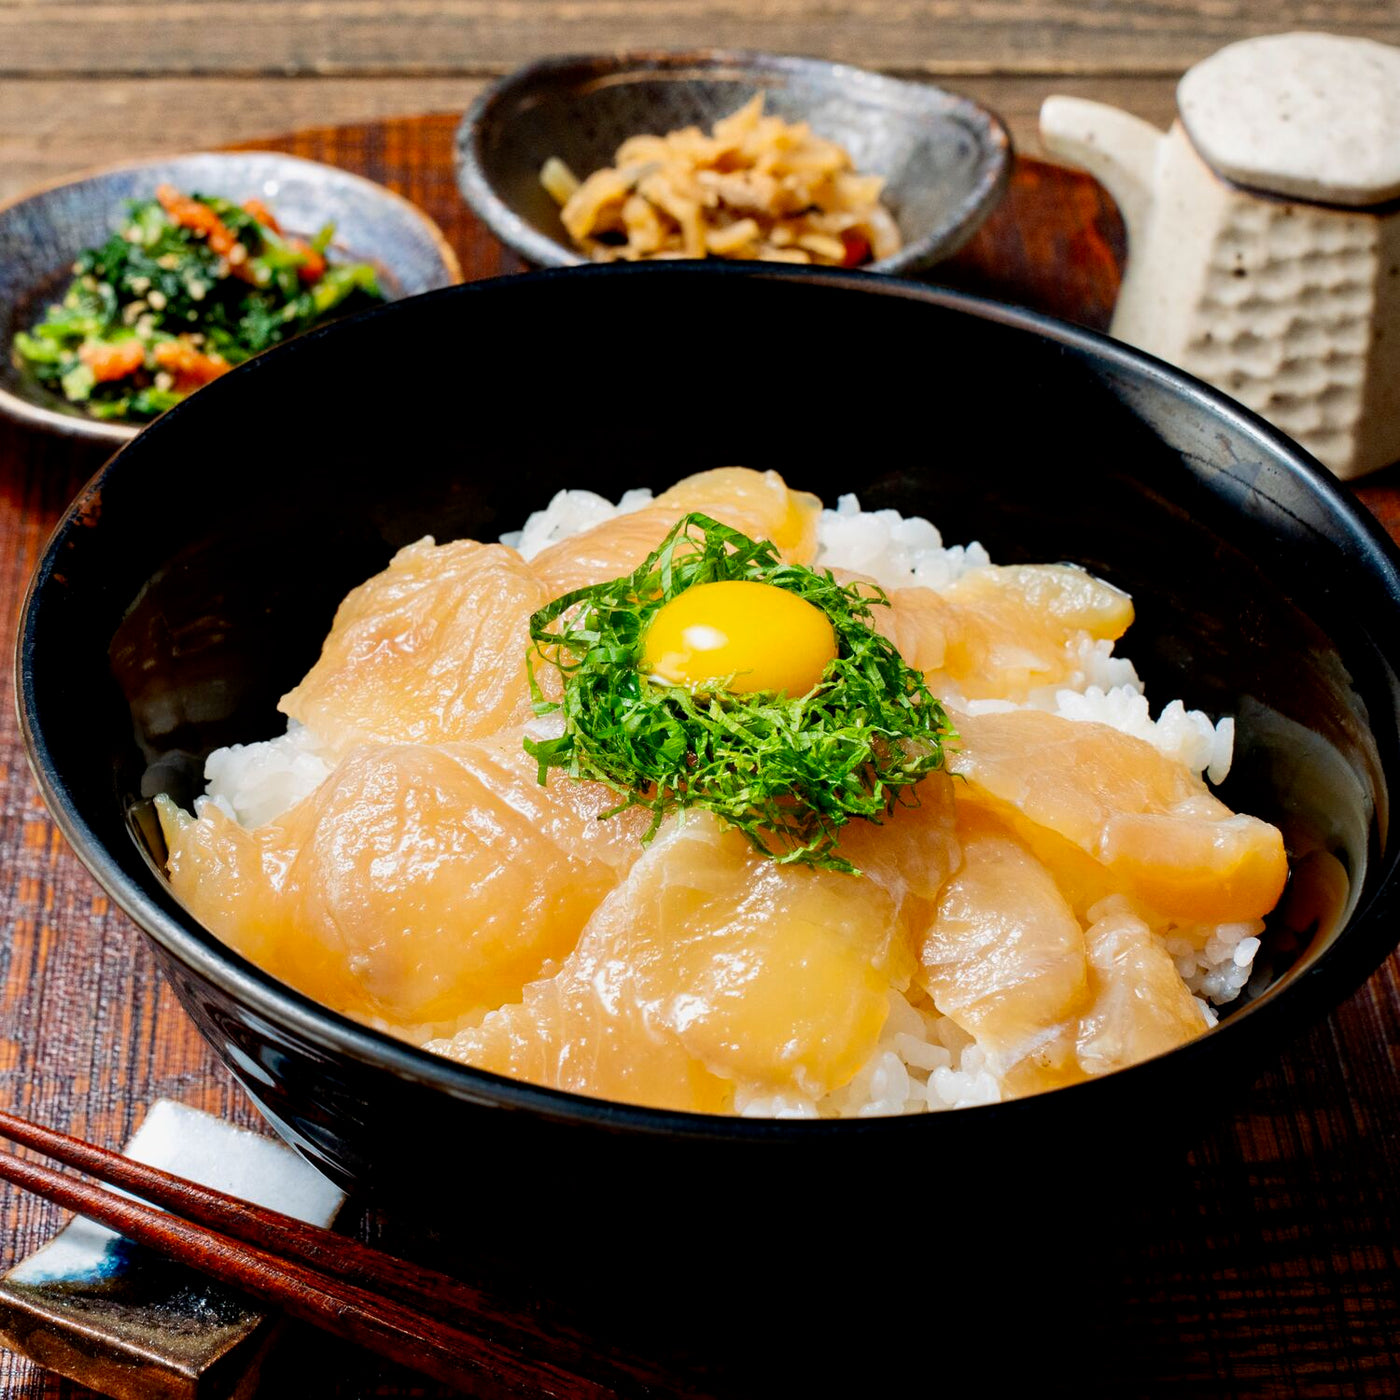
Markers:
point(35, 414)
point(938, 243)
point(1357, 948)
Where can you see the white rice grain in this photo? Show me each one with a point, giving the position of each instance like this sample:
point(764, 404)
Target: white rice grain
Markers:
point(571, 513)
point(896, 551)
point(257, 783)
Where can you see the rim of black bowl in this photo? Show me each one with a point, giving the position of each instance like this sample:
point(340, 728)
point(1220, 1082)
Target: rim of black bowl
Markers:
point(1306, 995)
point(940, 242)
point(84, 425)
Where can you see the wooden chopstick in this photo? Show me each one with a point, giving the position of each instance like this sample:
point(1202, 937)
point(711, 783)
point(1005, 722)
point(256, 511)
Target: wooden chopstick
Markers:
point(284, 1235)
point(431, 1346)
point(425, 1290)
point(376, 1301)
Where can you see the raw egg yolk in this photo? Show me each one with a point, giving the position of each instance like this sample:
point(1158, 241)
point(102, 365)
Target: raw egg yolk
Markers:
point(747, 636)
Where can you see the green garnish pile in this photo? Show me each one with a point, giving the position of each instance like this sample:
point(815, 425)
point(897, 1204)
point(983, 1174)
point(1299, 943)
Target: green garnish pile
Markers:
point(788, 773)
point(225, 295)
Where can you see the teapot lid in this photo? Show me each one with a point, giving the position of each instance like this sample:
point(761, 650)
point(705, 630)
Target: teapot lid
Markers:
point(1312, 116)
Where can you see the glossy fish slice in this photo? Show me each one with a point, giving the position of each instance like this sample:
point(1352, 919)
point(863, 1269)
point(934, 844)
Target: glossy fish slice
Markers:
point(604, 552)
point(1002, 632)
point(919, 622)
point(711, 967)
point(1117, 808)
point(564, 809)
point(1005, 958)
point(912, 852)
point(758, 503)
point(1050, 1002)
point(1140, 1007)
point(430, 650)
point(415, 885)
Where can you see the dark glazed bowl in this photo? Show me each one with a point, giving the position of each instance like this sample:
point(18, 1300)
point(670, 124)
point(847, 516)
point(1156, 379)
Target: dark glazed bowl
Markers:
point(945, 158)
point(171, 611)
point(43, 231)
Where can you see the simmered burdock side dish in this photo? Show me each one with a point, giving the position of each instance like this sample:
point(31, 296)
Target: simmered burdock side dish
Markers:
point(756, 187)
point(720, 801)
point(190, 286)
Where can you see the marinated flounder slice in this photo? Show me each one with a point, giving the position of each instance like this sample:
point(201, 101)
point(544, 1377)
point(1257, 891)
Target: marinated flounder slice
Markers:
point(1020, 626)
point(566, 810)
point(430, 650)
point(237, 883)
point(581, 1031)
point(758, 503)
point(920, 623)
point(415, 885)
point(913, 851)
point(1140, 1006)
point(604, 552)
point(709, 966)
point(1142, 817)
point(1002, 632)
point(1005, 959)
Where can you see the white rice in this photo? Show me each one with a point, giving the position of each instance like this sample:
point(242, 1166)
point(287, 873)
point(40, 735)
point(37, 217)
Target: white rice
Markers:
point(1186, 735)
point(255, 783)
point(896, 551)
point(923, 1062)
point(571, 513)
point(1215, 961)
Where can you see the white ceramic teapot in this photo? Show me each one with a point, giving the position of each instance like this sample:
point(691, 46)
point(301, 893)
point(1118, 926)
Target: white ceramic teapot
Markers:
point(1264, 233)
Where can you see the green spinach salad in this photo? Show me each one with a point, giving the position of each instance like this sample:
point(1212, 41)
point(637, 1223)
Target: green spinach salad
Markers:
point(190, 286)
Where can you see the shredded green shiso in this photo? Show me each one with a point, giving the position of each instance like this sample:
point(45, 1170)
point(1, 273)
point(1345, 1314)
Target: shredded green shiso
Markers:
point(789, 773)
point(157, 280)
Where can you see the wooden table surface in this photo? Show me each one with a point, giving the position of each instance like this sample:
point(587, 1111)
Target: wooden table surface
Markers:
point(1270, 1270)
point(83, 83)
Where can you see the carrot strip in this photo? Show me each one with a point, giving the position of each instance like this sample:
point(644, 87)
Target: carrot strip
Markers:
point(190, 367)
point(109, 362)
point(262, 214)
point(200, 218)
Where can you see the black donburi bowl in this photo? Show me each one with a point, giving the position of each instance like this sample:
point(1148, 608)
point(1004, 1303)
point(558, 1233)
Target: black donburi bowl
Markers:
point(192, 581)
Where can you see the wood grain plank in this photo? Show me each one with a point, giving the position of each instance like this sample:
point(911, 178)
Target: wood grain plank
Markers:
point(474, 37)
point(51, 127)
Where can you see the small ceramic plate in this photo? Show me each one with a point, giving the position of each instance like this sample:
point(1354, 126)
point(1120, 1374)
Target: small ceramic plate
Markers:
point(945, 158)
point(42, 232)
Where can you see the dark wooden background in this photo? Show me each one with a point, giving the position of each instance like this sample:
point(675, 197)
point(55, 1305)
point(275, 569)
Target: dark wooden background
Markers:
point(1273, 1268)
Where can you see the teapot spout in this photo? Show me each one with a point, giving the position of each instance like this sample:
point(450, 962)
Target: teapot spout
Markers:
point(1117, 148)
